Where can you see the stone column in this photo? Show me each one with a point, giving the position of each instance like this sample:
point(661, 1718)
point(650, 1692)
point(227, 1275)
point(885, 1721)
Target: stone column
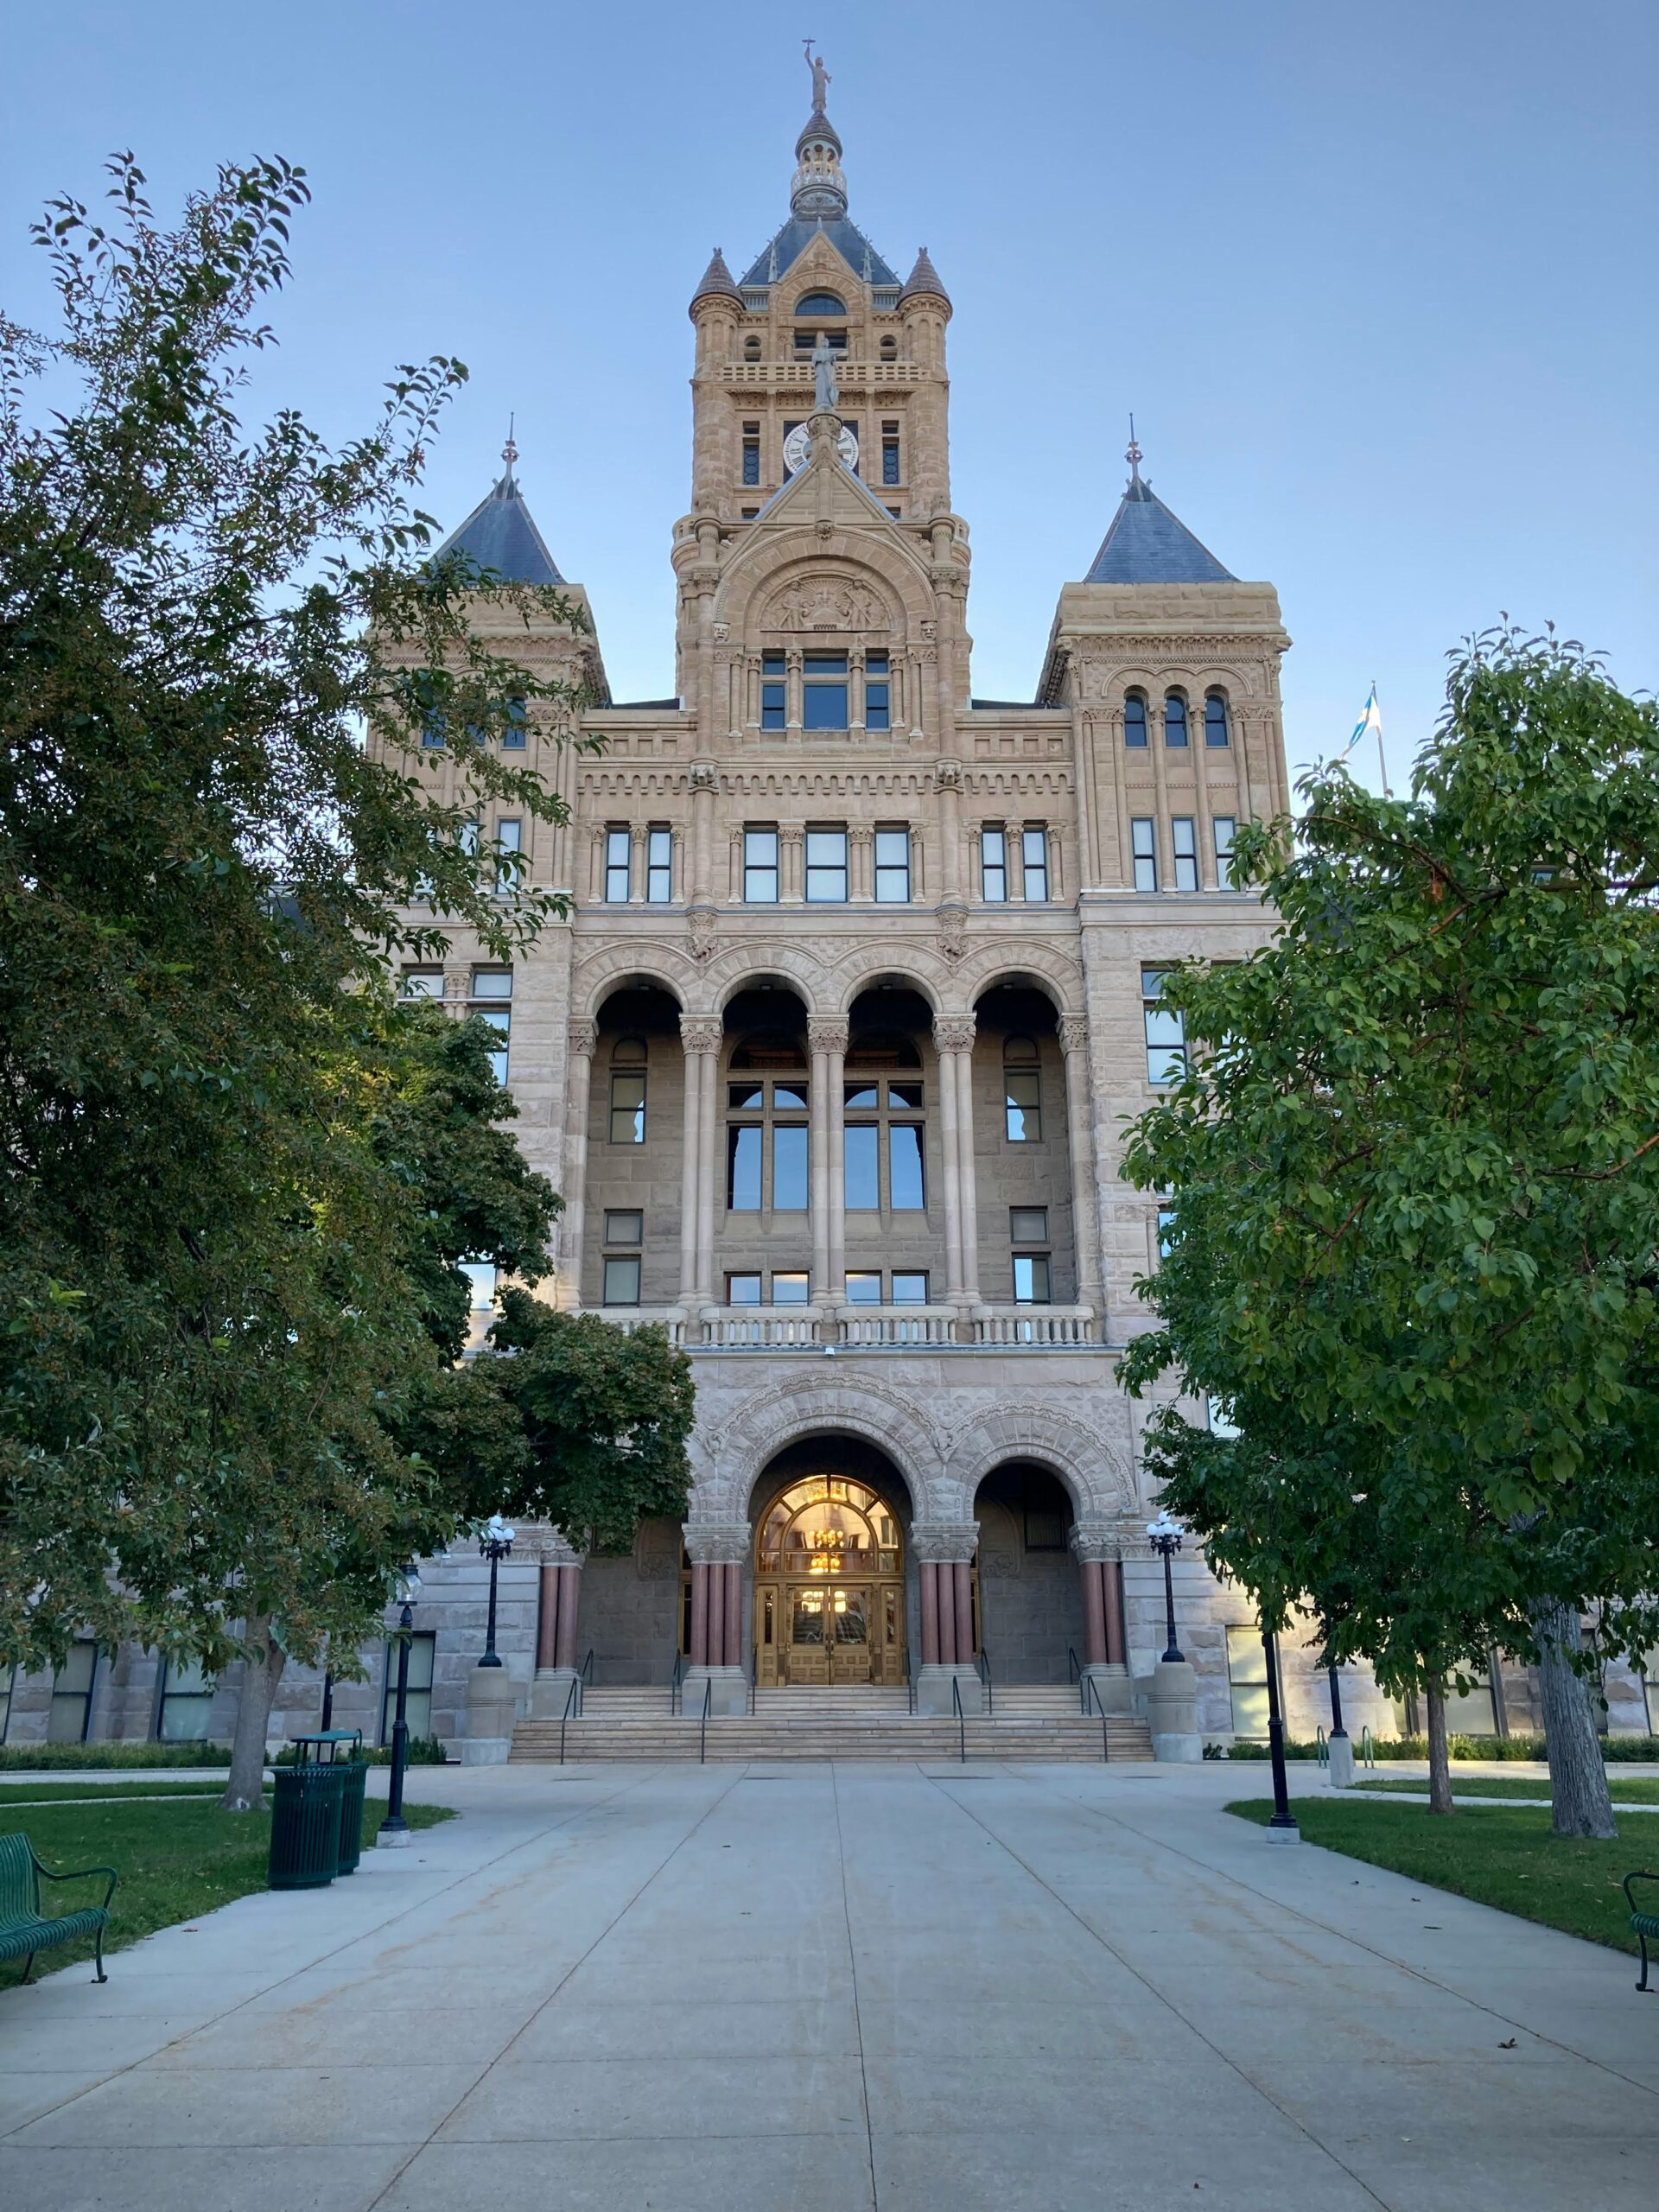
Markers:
point(558, 1655)
point(792, 687)
point(581, 1039)
point(700, 1042)
point(948, 776)
point(1073, 1029)
point(826, 1039)
point(718, 1550)
point(637, 864)
point(861, 840)
point(943, 1034)
point(953, 1035)
point(1095, 1547)
point(792, 879)
point(945, 1551)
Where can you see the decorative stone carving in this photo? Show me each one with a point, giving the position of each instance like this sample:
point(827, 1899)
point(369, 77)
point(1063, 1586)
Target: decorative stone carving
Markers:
point(948, 775)
point(953, 932)
point(582, 1036)
point(705, 777)
point(1072, 1030)
point(861, 834)
point(826, 603)
point(826, 530)
point(826, 1033)
point(700, 925)
point(700, 1034)
point(955, 1032)
point(723, 631)
point(930, 629)
point(717, 1543)
point(945, 1541)
point(1094, 1540)
point(792, 833)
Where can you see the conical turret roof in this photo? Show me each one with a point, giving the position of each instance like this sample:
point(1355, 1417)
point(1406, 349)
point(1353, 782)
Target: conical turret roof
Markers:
point(924, 278)
point(500, 534)
point(716, 279)
point(1146, 544)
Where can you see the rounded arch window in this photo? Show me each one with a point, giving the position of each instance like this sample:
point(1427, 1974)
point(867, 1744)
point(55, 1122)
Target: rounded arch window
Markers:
point(827, 1526)
point(889, 347)
point(1134, 718)
point(751, 349)
point(1175, 718)
point(820, 303)
point(764, 1049)
point(881, 1048)
point(628, 1051)
point(1215, 731)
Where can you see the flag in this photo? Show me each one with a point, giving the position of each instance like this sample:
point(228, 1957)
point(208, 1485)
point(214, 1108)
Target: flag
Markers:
point(1370, 720)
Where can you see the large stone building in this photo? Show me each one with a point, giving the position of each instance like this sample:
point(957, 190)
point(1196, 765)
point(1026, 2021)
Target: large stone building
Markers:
point(831, 1060)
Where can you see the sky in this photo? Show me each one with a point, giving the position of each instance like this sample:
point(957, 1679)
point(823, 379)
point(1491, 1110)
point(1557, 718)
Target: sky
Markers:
point(1377, 282)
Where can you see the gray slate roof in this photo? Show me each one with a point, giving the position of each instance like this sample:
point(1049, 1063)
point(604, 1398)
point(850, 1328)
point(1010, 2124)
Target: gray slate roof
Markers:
point(500, 534)
point(792, 242)
point(924, 277)
point(1145, 544)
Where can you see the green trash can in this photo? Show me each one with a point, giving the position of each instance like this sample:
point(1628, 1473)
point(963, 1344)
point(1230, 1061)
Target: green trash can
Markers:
point(305, 1816)
point(355, 1774)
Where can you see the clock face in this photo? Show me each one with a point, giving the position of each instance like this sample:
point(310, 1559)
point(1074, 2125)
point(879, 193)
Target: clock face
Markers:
point(796, 446)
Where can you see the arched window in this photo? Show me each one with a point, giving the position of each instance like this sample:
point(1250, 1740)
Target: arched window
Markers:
point(1174, 718)
point(1023, 1092)
point(751, 349)
point(820, 303)
point(884, 1136)
point(628, 1091)
point(1134, 718)
point(889, 349)
point(1214, 718)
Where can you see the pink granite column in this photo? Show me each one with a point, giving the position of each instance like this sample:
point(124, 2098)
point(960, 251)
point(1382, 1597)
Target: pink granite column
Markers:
point(1111, 1572)
point(1094, 1613)
point(570, 1601)
point(930, 1614)
point(733, 1577)
point(947, 1615)
point(961, 1575)
point(715, 1576)
point(699, 1614)
point(547, 1619)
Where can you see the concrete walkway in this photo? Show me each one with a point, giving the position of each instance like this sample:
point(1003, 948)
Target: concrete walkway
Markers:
point(817, 1989)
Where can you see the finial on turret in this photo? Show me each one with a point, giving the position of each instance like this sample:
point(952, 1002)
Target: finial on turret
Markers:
point(1134, 455)
point(509, 452)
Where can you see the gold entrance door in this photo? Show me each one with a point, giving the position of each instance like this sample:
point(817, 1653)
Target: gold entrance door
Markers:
point(828, 1588)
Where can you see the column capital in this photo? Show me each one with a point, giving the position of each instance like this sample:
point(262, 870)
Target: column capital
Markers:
point(717, 1543)
point(1072, 1030)
point(861, 833)
point(954, 1033)
point(700, 1034)
point(549, 1546)
point(582, 1036)
point(1095, 1539)
point(945, 1543)
point(790, 833)
point(826, 1033)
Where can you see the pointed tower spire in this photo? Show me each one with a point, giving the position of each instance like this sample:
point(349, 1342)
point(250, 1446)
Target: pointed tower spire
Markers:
point(1146, 544)
point(500, 534)
point(924, 278)
point(717, 281)
point(509, 452)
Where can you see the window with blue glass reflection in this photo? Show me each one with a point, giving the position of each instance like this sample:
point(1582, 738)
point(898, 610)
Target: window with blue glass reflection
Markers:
point(1215, 719)
point(1134, 718)
point(823, 691)
point(744, 1158)
point(904, 1166)
point(863, 1147)
point(789, 1168)
point(1175, 719)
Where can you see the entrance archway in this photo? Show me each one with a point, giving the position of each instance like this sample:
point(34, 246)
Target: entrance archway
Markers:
point(830, 1568)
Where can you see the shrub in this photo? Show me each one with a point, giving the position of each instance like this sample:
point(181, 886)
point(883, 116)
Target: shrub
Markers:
point(423, 1751)
point(43, 1757)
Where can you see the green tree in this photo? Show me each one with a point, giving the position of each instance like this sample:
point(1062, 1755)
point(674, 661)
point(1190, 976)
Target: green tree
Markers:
point(1415, 1152)
point(233, 1179)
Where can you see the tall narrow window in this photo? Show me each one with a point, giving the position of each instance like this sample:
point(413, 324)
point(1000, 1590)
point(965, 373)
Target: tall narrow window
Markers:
point(1224, 825)
point(1143, 844)
point(1134, 718)
point(72, 1695)
point(187, 1702)
point(789, 1167)
point(1165, 1230)
point(884, 1137)
point(628, 1091)
point(1175, 719)
point(892, 867)
point(863, 1147)
point(1246, 1678)
point(1031, 1279)
point(906, 1181)
point(823, 691)
point(619, 864)
point(659, 864)
point(878, 692)
point(515, 730)
point(761, 867)
point(890, 453)
point(1165, 1031)
point(1022, 1093)
point(773, 675)
point(993, 864)
point(434, 729)
point(745, 1166)
point(620, 1283)
point(8, 1683)
point(751, 453)
point(417, 1701)
point(1033, 854)
point(1214, 718)
point(826, 867)
point(491, 988)
point(766, 1145)
point(1184, 838)
point(509, 843)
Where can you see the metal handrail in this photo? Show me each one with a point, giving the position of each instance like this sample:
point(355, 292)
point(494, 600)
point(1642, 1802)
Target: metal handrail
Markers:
point(1321, 1748)
point(674, 1680)
point(572, 1697)
point(962, 1723)
point(1091, 1691)
point(1074, 1673)
point(703, 1732)
point(754, 1674)
point(585, 1672)
point(1367, 1747)
point(982, 1668)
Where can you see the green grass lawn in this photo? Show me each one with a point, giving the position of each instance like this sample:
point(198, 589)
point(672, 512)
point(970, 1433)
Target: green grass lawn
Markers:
point(1638, 1789)
point(176, 1861)
point(1506, 1858)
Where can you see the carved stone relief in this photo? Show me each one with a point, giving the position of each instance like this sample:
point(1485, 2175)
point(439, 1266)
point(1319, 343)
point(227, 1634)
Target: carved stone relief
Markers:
point(826, 603)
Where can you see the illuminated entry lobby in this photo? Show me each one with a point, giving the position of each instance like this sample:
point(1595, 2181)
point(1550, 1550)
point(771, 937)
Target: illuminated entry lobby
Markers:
point(828, 1587)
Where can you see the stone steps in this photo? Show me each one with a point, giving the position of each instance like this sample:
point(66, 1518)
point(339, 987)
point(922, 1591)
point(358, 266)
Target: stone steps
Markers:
point(872, 1736)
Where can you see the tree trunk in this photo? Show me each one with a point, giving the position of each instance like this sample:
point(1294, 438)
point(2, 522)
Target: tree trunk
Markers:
point(1578, 1777)
point(245, 1790)
point(1440, 1764)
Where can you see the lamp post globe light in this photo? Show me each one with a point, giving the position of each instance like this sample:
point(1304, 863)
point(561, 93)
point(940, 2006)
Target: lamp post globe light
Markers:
point(1165, 1534)
point(494, 1544)
point(394, 1829)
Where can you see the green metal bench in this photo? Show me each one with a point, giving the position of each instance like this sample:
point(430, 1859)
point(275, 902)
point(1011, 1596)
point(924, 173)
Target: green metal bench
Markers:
point(23, 1930)
point(1644, 1926)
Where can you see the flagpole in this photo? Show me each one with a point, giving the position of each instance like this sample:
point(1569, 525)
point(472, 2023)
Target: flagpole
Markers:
point(1381, 762)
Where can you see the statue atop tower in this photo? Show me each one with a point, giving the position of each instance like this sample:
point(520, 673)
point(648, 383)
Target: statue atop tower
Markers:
point(821, 77)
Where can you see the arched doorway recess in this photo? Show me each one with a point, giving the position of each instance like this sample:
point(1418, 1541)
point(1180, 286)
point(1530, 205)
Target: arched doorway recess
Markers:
point(828, 1580)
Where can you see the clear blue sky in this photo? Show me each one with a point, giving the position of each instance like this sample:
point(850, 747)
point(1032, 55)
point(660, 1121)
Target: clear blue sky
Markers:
point(1378, 282)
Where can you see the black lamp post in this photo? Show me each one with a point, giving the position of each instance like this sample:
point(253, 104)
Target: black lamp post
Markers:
point(394, 1829)
point(1337, 1728)
point(1165, 1535)
point(494, 1545)
point(1283, 1823)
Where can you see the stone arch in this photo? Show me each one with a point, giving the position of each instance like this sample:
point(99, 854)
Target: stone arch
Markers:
point(730, 1461)
point(766, 565)
point(753, 962)
point(660, 966)
point(985, 966)
point(866, 966)
point(1094, 1466)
